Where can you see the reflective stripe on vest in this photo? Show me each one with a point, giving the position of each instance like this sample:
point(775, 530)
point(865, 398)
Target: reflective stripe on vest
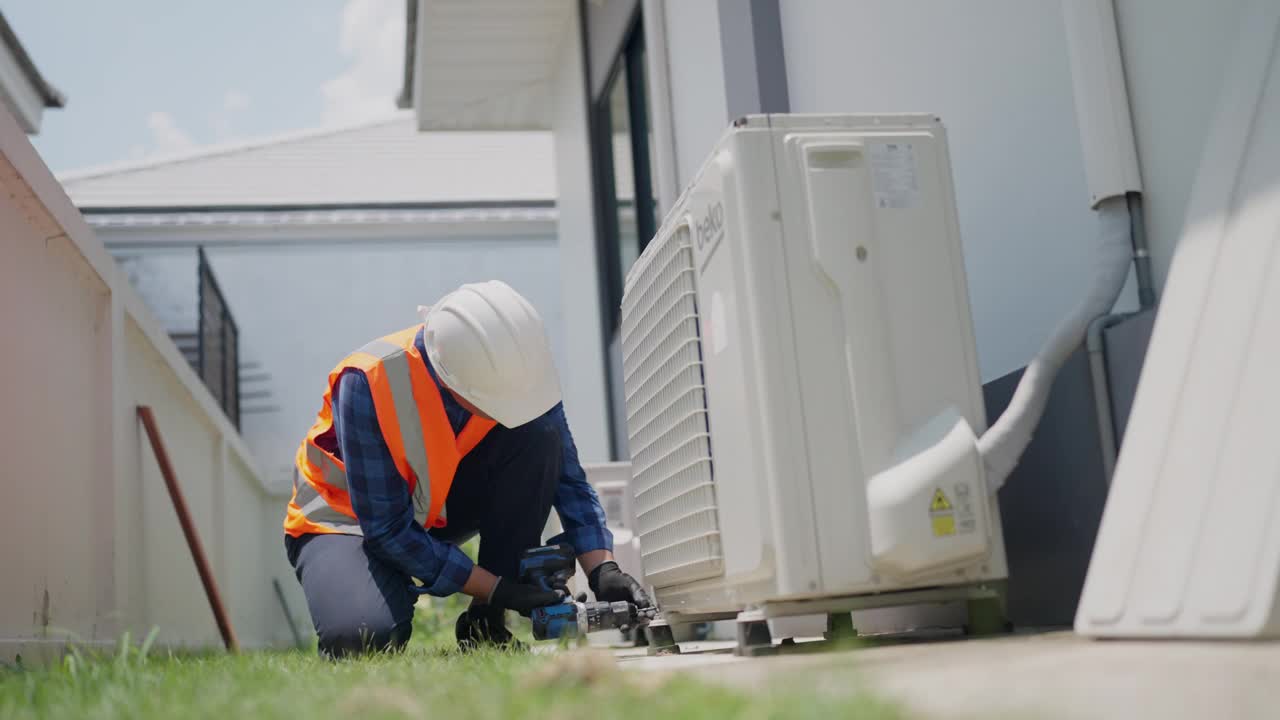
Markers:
point(317, 510)
point(332, 473)
point(323, 503)
point(397, 368)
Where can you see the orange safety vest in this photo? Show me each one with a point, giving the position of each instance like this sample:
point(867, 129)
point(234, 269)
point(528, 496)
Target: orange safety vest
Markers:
point(414, 425)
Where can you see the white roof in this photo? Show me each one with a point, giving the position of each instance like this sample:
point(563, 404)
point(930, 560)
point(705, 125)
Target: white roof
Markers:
point(378, 163)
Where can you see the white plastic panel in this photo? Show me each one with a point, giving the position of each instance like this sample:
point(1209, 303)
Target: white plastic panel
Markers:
point(667, 417)
point(1101, 99)
point(1190, 540)
point(881, 319)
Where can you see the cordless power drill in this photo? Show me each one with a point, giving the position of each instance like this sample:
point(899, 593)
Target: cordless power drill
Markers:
point(550, 567)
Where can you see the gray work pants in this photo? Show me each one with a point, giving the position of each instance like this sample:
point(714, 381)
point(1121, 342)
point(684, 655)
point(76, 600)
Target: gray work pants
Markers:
point(502, 490)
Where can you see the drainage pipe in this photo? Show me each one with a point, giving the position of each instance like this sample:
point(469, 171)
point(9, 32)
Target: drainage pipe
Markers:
point(1108, 438)
point(1141, 253)
point(1102, 391)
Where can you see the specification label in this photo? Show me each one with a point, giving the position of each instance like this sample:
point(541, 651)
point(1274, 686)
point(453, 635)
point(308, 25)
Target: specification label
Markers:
point(893, 175)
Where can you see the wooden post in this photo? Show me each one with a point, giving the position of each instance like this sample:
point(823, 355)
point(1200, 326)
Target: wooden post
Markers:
point(189, 530)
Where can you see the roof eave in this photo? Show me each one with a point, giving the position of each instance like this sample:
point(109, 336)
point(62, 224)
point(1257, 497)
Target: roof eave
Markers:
point(506, 92)
point(405, 101)
point(50, 95)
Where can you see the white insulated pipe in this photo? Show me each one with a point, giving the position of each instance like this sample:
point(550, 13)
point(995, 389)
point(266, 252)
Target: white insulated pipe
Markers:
point(1004, 442)
point(1111, 167)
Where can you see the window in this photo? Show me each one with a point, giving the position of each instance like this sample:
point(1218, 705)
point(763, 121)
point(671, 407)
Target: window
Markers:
point(626, 213)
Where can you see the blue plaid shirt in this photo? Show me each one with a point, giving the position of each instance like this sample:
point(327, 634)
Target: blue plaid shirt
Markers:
point(384, 508)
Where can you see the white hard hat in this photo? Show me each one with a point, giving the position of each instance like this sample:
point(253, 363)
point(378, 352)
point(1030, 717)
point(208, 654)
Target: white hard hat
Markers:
point(487, 343)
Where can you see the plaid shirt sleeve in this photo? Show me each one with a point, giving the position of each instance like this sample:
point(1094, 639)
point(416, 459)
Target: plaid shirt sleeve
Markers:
point(581, 514)
point(381, 500)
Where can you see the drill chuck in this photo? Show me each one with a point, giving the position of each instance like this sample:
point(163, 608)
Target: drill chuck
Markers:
point(576, 619)
point(606, 615)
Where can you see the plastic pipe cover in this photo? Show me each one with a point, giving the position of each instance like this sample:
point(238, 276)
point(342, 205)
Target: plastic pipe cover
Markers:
point(1003, 444)
point(1101, 99)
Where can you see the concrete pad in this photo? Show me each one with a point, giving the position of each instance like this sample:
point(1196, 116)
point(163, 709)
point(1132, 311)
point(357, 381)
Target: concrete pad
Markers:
point(1055, 676)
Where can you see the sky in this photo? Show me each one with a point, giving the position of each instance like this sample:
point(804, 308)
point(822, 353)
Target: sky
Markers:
point(148, 78)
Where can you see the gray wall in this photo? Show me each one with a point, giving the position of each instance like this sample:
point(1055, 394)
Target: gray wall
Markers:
point(699, 103)
point(1052, 504)
point(996, 71)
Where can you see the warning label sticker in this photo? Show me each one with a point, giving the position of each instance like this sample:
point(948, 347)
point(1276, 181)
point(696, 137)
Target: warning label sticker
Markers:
point(942, 514)
point(893, 175)
point(940, 501)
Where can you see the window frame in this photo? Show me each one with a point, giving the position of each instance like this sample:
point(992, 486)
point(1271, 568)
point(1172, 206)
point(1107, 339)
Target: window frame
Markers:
point(627, 64)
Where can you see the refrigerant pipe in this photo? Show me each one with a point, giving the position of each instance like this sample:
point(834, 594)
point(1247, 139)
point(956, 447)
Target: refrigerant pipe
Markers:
point(1003, 444)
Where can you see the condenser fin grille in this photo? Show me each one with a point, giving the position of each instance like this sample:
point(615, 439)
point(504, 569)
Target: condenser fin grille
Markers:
point(667, 420)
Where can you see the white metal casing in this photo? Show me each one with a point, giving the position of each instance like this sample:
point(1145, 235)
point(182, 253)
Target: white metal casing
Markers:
point(797, 347)
point(1189, 544)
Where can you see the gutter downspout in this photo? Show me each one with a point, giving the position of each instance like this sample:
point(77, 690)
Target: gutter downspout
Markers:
point(1108, 438)
point(1141, 254)
point(1102, 390)
point(1115, 186)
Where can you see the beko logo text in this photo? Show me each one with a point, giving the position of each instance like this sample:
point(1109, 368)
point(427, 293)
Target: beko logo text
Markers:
point(711, 226)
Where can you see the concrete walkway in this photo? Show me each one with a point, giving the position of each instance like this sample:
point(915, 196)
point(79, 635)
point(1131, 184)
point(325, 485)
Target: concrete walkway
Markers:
point(1056, 676)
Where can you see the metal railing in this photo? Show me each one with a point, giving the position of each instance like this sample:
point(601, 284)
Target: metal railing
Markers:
point(218, 342)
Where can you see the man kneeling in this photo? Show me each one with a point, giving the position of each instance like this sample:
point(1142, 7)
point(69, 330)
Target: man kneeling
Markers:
point(427, 437)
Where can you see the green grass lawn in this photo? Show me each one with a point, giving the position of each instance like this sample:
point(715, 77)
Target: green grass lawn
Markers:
point(430, 679)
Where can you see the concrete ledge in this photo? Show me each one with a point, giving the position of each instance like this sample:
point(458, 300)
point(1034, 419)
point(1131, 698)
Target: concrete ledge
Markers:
point(1057, 676)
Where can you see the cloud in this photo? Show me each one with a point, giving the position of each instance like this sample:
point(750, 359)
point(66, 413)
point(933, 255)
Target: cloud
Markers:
point(372, 40)
point(234, 103)
point(166, 136)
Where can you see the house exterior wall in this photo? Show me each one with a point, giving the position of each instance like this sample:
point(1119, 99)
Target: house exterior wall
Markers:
point(1175, 53)
point(93, 548)
point(699, 105)
point(583, 369)
point(997, 73)
point(302, 306)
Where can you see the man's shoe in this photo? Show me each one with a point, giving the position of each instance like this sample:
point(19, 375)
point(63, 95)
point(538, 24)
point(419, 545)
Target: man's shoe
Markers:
point(485, 626)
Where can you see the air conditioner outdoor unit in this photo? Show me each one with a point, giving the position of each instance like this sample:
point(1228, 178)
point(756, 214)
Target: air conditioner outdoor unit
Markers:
point(801, 383)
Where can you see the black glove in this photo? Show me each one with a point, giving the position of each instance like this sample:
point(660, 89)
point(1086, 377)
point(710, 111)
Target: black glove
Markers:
point(610, 584)
point(520, 597)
